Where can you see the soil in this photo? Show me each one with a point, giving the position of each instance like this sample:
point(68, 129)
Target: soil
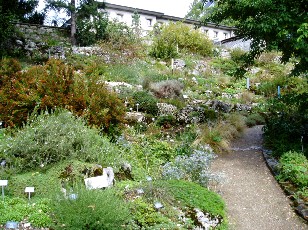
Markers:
point(254, 199)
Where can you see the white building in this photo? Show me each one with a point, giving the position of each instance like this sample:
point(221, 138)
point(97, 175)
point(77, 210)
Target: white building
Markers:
point(149, 18)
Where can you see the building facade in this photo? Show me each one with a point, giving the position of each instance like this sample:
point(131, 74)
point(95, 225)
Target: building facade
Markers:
point(149, 18)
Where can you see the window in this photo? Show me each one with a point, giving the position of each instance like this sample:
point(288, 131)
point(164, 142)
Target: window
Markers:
point(149, 22)
point(206, 31)
point(226, 35)
point(120, 17)
point(215, 34)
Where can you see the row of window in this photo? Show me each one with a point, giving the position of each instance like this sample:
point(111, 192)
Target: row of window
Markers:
point(206, 31)
point(149, 23)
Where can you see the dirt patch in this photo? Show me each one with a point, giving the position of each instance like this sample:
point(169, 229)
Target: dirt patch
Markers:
point(253, 198)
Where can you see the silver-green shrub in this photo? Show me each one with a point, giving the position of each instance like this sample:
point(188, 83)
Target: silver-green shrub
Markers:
point(50, 138)
point(195, 167)
point(167, 89)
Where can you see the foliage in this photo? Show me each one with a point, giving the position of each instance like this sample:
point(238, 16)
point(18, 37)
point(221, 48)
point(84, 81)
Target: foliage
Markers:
point(119, 35)
point(23, 10)
point(182, 36)
point(17, 10)
point(93, 209)
point(55, 85)
point(91, 30)
point(294, 168)
point(18, 209)
point(188, 194)
point(166, 121)
point(271, 25)
point(219, 134)
point(167, 89)
point(286, 123)
point(194, 167)
point(255, 119)
point(147, 157)
point(147, 102)
point(83, 10)
point(145, 214)
point(50, 138)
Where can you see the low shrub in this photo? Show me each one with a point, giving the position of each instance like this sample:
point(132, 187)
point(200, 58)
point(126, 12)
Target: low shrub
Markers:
point(8, 67)
point(294, 168)
point(166, 121)
point(147, 102)
point(93, 209)
point(50, 138)
point(194, 167)
point(167, 89)
point(55, 85)
point(219, 133)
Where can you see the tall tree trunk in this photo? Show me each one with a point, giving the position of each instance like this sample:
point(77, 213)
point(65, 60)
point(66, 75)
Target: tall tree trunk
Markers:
point(73, 22)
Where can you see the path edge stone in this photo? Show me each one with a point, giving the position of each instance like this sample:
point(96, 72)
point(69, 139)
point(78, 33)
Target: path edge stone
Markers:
point(298, 205)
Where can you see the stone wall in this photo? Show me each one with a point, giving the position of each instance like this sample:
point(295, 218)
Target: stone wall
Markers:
point(42, 40)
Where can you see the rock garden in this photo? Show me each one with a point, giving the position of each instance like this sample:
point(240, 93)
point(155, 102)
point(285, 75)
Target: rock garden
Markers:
point(123, 135)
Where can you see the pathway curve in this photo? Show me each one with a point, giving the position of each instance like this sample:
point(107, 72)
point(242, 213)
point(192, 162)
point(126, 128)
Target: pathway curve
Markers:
point(253, 198)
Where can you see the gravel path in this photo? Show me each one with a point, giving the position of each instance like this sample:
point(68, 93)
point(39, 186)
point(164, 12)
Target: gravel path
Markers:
point(253, 198)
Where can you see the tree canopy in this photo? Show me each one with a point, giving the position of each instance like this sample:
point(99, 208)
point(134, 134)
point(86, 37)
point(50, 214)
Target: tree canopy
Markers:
point(84, 9)
point(16, 10)
point(279, 25)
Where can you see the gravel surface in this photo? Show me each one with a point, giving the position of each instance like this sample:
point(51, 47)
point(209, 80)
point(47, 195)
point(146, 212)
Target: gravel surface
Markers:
point(253, 198)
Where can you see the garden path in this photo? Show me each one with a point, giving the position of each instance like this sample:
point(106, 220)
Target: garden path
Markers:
point(253, 198)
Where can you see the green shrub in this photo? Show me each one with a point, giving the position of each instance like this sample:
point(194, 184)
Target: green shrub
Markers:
point(294, 168)
point(286, 123)
point(166, 121)
point(50, 138)
point(173, 35)
point(147, 102)
point(93, 209)
point(91, 30)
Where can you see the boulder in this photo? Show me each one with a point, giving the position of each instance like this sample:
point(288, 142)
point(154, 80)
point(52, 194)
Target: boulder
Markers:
point(179, 64)
point(221, 106)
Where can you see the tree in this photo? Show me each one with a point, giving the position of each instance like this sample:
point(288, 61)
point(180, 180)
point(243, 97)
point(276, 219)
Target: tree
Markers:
point(279, 25)
point(16, 10)
point(84, 9)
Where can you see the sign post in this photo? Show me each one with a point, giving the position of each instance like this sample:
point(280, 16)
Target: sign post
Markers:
point(2, 184)
point(29, 190)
